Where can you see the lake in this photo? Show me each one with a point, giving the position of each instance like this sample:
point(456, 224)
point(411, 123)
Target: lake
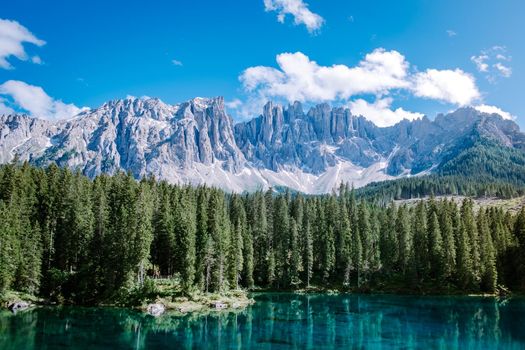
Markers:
point(281, 321)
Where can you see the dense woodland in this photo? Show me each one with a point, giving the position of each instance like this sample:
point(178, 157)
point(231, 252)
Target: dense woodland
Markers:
point(480, 167)
point(68, 238)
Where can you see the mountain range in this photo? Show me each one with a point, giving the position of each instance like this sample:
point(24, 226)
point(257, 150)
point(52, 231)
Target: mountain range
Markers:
point(197, 142)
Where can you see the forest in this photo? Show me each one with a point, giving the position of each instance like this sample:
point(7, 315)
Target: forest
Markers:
point(68, 238)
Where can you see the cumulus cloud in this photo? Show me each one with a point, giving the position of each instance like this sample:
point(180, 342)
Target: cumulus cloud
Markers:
point(495, 110)
point(13, 35)
point(298, 78)
point(451, 33)
point(34, 100)
point(380, 112)
point(301, 79)
point(176, 62)
point(298, 9)
point(453, 86)
point(233, 104)
point(493, 63)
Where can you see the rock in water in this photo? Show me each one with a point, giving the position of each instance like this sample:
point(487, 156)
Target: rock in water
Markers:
point(156, 309)
point(18, 306)
point(217, 305)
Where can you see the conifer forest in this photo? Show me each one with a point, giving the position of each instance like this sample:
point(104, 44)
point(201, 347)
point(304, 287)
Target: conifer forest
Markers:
point(68, 238)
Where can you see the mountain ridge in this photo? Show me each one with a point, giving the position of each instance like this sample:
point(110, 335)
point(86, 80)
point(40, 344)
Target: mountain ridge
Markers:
point(198, 142)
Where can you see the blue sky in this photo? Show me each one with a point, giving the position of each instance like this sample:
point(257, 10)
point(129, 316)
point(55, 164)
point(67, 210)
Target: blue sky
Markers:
point(423, 56)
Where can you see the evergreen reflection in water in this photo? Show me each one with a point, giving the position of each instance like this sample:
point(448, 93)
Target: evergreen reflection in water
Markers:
point(281, 321)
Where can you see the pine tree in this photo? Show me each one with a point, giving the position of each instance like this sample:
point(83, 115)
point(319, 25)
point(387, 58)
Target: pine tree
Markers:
point(239, 229)
point(201, 239)
point(469, 225)
point(463, 257)
point(388, 246)
point(421, 241)
point(164, 227)
point(259, 233)
point(281, 233)
point(142, 233)
point(344, 244)
point(98, 252)
point(356, 247)
point(270, 250)
point(489, 273)
point(404, 240)
point(308, 252)
point(435, 240)
point(295, 255)
point(365, 238)
point(218, 231)
point(185, 233)
point(8, 248)
point(449, 245)
point(248, 259)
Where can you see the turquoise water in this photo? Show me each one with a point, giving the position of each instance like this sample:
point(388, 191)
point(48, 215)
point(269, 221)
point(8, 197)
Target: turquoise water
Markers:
point(282, 321)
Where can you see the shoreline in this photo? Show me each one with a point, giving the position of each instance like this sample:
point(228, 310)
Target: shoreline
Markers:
point(199, 303)
point(227, 302)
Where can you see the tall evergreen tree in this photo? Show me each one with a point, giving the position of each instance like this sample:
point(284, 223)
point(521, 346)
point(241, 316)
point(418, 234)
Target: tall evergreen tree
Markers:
point(489, 273)
point(404, 240)
point(421, 242)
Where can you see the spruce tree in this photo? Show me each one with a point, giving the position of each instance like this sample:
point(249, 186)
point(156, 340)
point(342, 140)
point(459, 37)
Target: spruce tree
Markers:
point(449, 244)
point(437, 260)
point(421, 243)
point(489, 273)
point(185, 233)
point(404, 240)
point(295, 255)
point(308, 252)
point(469, 225)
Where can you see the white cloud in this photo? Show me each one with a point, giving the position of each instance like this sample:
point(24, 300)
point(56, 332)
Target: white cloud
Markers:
point(233, 104)
point(12, 38)
point(299, 78)
point(176, 62)
point(495, 110)
point(503, 70)
point(451, 33)
point(296, 8)
point(36, 60)
point(453, 86)
point(34, 100)
point(380, 113)
point(4, 109)
point(480, 62)
point(490, 62)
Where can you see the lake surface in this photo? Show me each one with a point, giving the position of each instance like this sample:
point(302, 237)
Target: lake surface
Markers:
point(281, 321)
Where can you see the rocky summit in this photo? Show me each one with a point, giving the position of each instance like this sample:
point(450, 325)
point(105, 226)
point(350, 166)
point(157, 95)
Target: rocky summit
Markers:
point(197, 142)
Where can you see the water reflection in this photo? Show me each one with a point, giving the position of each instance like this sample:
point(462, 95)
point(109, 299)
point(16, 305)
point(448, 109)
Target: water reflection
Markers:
point(281, 321)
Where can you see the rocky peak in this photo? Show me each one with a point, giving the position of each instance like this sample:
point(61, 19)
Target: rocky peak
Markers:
point(196, 141)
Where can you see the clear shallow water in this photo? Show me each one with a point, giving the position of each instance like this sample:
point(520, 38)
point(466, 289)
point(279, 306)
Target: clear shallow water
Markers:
point(282, 321)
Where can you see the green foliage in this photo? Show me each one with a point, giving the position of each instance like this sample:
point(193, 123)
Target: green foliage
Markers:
point(67, 238)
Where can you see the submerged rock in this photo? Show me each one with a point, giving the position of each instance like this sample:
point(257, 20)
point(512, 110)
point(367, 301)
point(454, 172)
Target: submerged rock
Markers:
point(18, 306)
point(156, 309)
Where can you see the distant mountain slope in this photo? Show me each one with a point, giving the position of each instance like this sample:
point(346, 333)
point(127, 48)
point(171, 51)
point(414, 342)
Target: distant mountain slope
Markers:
point(312, 152)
